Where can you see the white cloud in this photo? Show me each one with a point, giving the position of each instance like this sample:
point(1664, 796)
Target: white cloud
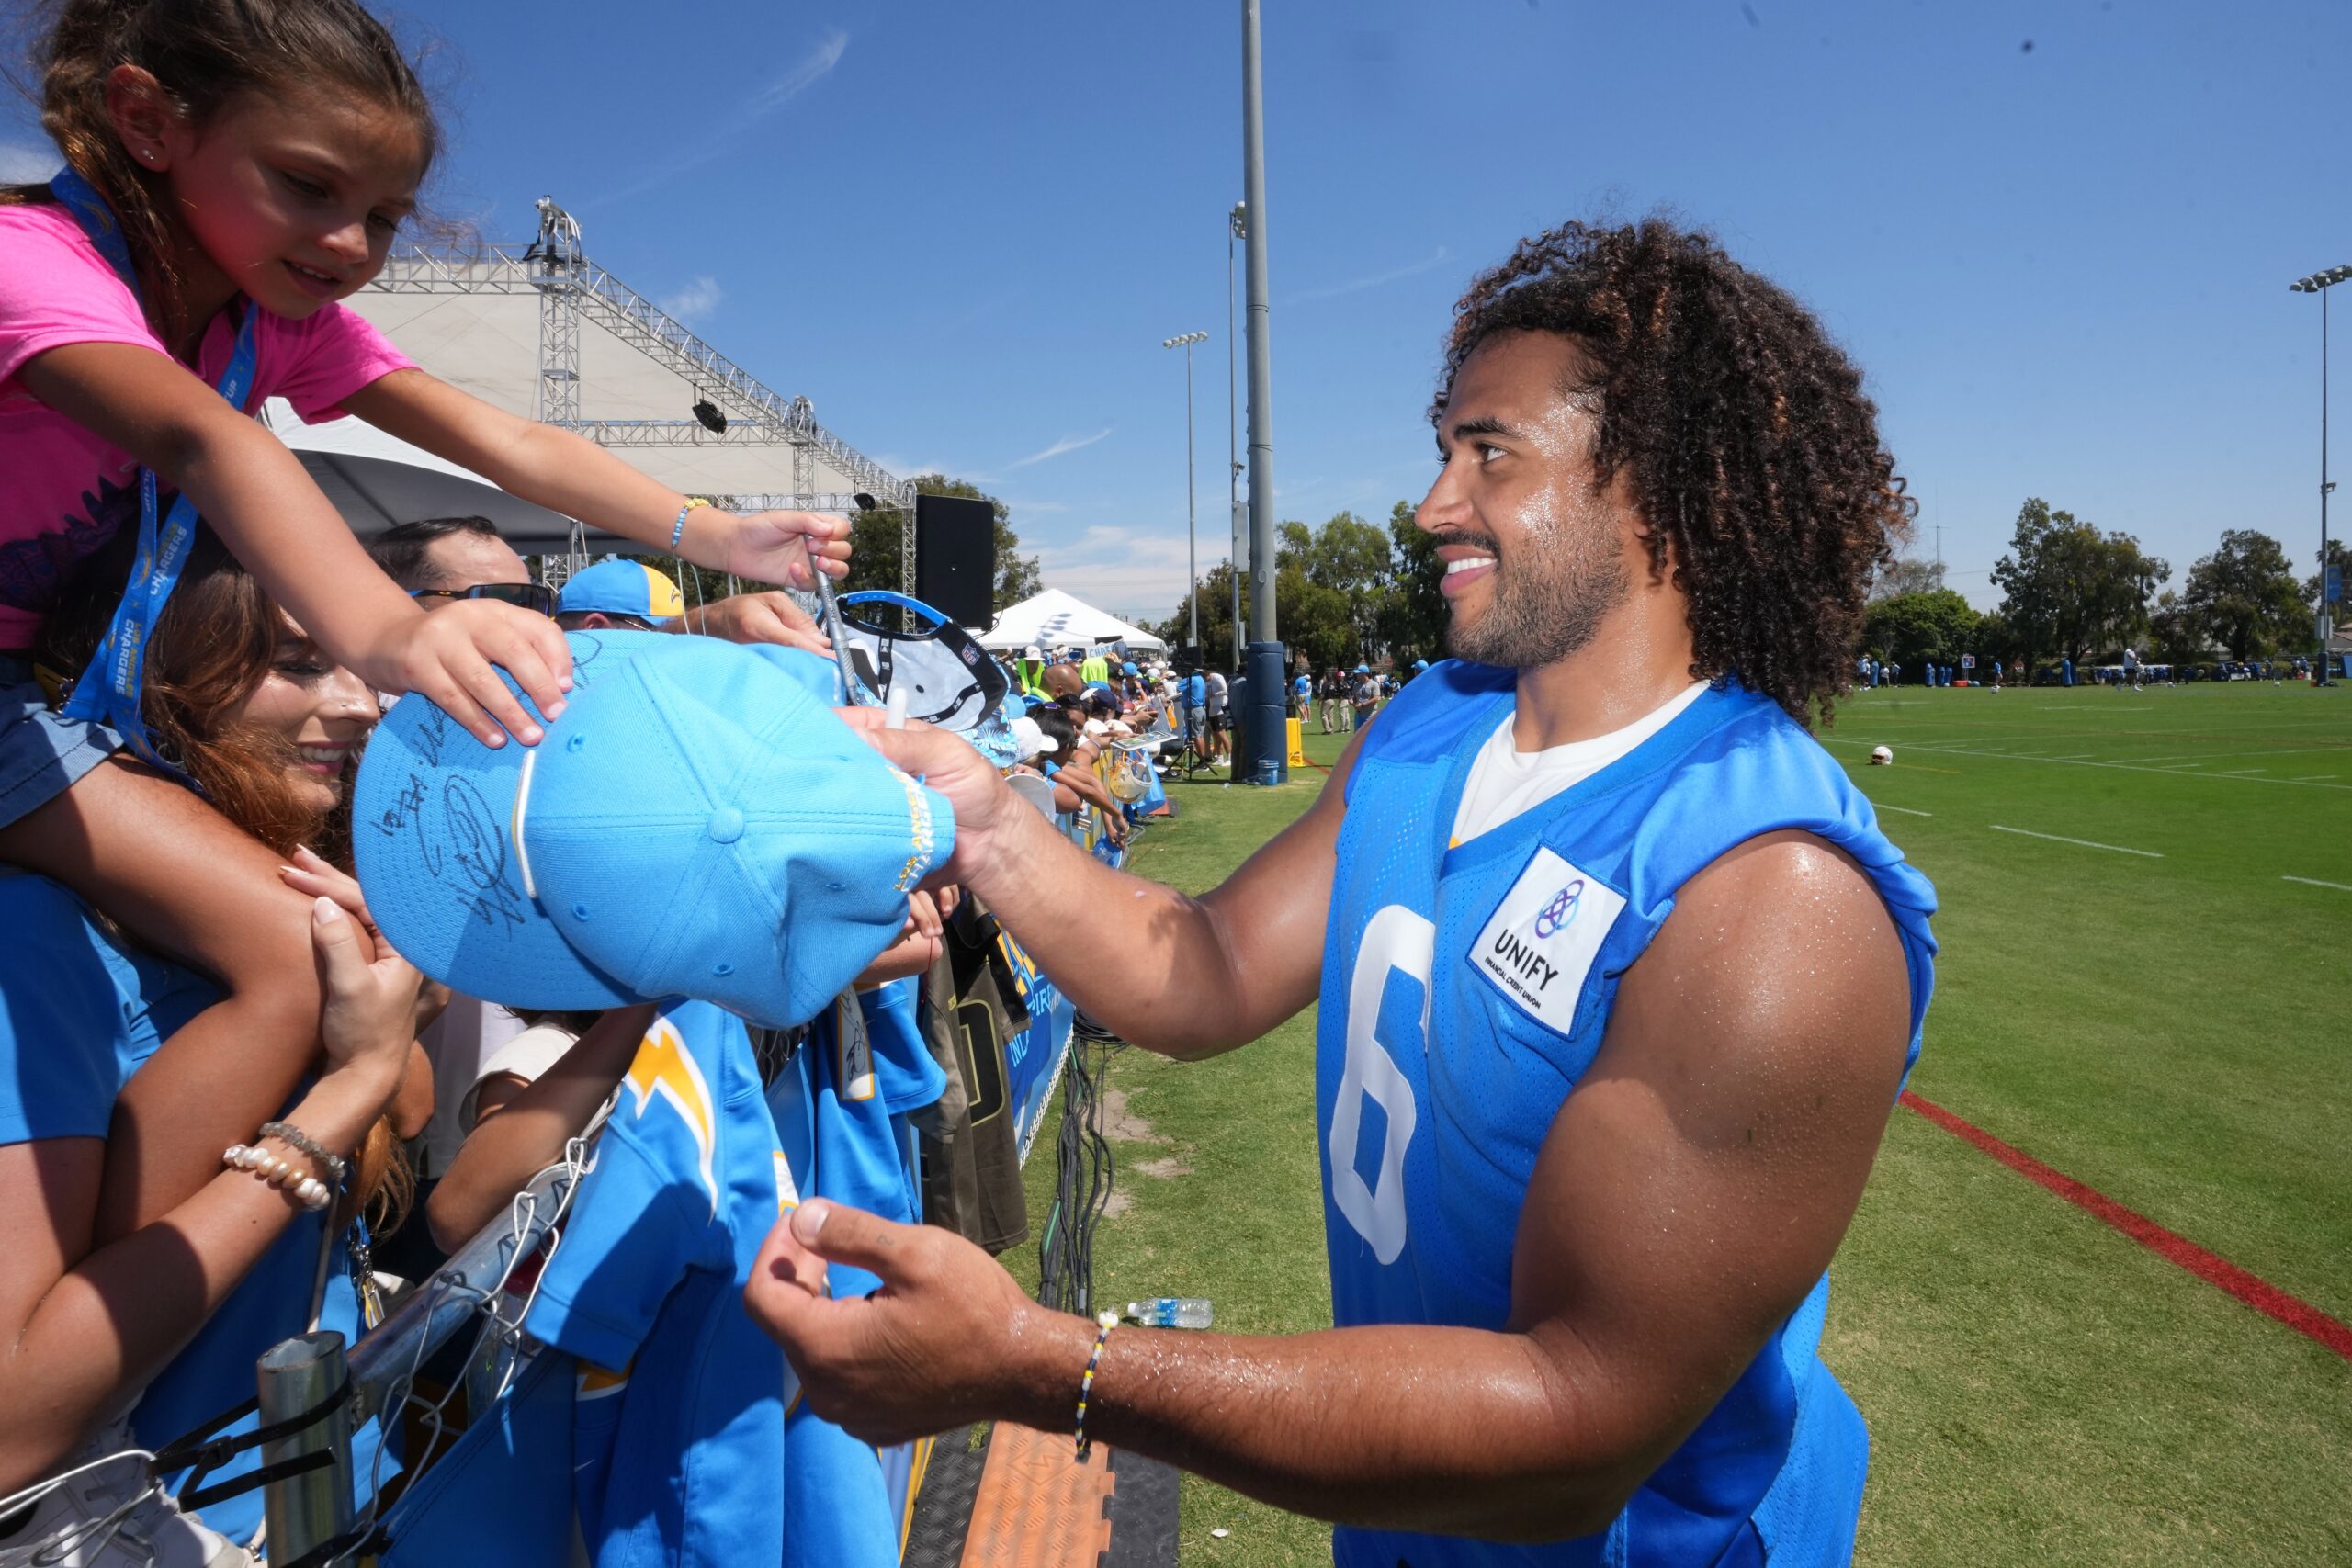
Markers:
point(697, 299)
point(1123, 569)
point(804, 73)
point(23, 162)
point(1067, 444)
point(1358, 285)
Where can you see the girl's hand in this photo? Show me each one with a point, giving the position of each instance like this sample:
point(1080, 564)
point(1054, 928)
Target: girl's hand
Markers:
point(369, 1022)
point(449, 655)
point(778, 547)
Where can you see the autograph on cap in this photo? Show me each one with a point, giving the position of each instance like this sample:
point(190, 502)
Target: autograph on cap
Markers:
point(468, 853)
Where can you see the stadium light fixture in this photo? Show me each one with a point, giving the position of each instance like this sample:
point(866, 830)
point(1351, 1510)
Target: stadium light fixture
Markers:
point(708, 412)
point(2319, 283)
point(1192, 547)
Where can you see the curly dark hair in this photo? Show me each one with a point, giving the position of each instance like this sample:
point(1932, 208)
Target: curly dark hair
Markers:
point(1742, 430)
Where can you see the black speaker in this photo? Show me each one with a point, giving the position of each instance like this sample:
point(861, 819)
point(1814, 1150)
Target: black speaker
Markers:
point(955, 558)
point(1187, 658)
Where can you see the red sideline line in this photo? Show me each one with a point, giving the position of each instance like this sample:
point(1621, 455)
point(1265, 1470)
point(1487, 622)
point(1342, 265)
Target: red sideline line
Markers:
point(2258, 1293)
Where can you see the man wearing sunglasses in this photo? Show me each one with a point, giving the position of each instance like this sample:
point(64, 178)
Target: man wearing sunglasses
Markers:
point(442, 560)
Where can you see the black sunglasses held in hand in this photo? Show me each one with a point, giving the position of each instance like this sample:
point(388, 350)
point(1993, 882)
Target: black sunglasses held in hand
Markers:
point(535, 596)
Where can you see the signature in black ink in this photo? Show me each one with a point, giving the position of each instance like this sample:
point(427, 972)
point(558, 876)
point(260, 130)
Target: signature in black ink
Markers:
point(480, 855)
point(405, 808)
point(433, 736)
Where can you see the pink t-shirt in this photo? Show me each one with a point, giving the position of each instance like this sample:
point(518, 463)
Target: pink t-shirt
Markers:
point(65, 490)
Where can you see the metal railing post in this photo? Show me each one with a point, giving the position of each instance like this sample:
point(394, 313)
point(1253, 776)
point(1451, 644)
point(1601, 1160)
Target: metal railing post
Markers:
point(303, 1511)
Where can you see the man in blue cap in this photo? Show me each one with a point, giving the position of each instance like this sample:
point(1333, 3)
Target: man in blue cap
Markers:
point(620, 595)
point(1588, 1146)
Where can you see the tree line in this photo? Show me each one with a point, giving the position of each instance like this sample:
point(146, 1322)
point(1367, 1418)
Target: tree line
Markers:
point(2071, 589)
point(1347, 592)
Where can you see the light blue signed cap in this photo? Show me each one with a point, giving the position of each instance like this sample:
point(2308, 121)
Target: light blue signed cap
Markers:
point(698, 823)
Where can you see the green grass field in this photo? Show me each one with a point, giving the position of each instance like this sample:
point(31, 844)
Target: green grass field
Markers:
point(2166, 1025)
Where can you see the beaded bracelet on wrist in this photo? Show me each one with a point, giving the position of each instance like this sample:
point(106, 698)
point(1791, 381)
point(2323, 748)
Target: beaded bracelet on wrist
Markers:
point(308, 1190)
point(337, 1170)
point(1104, 1321)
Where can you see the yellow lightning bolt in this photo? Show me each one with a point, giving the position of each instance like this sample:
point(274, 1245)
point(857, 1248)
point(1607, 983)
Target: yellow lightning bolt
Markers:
point(664, 1068)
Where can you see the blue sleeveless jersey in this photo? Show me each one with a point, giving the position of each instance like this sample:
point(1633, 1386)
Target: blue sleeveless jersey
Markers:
point(1466, 990)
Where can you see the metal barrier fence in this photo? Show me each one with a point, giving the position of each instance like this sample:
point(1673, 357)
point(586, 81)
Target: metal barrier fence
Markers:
point(319, 1396)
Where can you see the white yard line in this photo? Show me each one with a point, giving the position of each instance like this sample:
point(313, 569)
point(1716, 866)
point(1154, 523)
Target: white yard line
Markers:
point(2061, 839)
point(1907, 810)
point(1954, 751)
point(2316, 881)
point(2219, 756)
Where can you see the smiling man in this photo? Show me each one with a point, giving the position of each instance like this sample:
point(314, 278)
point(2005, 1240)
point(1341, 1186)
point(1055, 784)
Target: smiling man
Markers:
point(1617, 980)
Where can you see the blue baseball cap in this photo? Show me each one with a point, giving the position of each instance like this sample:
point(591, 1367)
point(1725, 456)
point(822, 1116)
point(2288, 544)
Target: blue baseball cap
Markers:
point(622, 588)
point(697, 823)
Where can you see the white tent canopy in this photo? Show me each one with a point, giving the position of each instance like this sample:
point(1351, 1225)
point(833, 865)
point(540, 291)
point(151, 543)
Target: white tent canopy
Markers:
point(1056, 619)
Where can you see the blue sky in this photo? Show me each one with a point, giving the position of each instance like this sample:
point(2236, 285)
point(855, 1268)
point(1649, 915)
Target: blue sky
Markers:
point(963, 229)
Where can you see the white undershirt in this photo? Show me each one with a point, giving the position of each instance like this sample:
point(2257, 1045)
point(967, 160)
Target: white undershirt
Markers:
point(1505, 781)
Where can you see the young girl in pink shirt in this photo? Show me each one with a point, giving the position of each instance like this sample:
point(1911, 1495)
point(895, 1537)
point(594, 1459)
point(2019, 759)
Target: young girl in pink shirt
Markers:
point(234, 169)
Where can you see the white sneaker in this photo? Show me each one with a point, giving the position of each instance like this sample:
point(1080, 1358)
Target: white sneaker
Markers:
point(101, 1520)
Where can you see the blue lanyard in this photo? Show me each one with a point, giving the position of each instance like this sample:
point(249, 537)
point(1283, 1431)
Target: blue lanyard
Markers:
point(108, 689)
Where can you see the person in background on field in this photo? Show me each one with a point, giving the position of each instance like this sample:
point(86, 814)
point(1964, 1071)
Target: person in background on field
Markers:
point(2131, 668)
point(1220, 719)
point(1302, 695)
point(1365, 695)
point(1196, 713)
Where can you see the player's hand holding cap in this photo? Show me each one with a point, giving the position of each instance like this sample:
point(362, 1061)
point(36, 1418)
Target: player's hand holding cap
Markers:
point(698, 823)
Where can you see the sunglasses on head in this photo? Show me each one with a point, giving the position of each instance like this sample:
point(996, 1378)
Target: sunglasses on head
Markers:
point(535, 596)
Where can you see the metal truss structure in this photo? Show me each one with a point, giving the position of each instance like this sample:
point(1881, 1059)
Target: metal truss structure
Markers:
point(573, 290)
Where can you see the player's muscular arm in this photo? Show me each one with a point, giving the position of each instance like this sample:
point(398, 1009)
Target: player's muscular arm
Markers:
point(1690, 1192)
point(1197, 975)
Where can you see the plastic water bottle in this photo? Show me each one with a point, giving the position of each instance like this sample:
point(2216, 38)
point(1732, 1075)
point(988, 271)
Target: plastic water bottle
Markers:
point(1171, 1312)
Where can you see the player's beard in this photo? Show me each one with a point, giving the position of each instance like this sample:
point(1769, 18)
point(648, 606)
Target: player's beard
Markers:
point(1548, 596)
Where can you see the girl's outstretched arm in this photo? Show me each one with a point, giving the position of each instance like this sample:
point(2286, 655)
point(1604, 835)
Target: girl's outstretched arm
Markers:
point(175, 873)
point(572, 475)
point(256, 496)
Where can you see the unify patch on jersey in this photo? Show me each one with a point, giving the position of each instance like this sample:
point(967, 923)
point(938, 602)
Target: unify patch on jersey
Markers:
point(1542, 939)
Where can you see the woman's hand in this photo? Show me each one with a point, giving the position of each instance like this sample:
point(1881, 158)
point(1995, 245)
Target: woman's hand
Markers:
point(369, 1022)
point(318, 877)
point(453, 657)
point(779, 546)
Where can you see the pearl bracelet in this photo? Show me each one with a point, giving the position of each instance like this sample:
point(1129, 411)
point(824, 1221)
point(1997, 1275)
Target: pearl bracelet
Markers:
point(308, 1190)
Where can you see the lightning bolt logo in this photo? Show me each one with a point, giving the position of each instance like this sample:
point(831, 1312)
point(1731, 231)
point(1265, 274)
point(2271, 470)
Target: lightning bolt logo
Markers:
point(664, 1068)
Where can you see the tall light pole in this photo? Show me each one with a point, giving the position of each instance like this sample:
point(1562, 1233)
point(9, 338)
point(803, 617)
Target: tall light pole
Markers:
point(1191, 541)
point(1263, 731)
point(2319, 283)
point(1236, 224)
